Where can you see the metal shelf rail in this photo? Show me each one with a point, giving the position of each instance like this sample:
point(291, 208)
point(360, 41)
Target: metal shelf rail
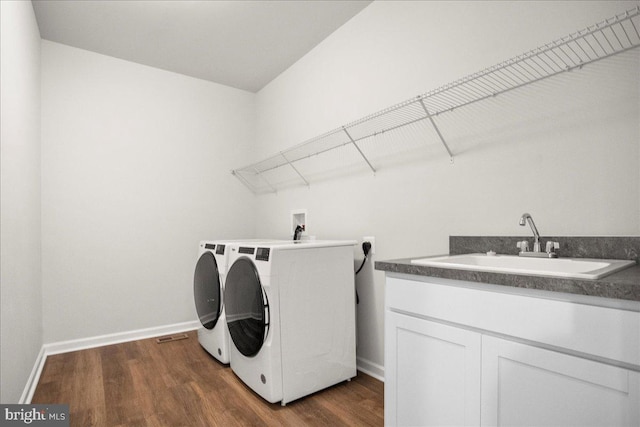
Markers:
point(602, 40)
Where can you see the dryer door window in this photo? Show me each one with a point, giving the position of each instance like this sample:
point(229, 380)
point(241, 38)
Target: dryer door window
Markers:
point(246, 306)
point(206, 290)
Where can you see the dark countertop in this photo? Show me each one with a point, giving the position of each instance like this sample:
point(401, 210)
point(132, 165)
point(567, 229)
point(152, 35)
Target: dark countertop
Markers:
point(624, 285)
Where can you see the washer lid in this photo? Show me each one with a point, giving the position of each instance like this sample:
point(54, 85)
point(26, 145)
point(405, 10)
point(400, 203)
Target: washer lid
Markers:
point(247, 308)
point(206, 290)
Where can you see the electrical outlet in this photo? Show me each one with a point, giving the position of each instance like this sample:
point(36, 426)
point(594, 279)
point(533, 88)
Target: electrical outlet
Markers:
point(371, 240)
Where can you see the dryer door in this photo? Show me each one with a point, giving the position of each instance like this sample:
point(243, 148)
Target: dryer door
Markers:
point(246, 306)
point(206, 290)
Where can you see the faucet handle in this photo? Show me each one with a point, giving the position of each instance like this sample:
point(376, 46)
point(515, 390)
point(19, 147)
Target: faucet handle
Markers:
point(523, 246)
point(551, 246)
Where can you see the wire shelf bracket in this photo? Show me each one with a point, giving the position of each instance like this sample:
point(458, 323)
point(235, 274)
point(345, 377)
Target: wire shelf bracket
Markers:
point(359, 150)
point(294, 168)
point(597, 42)
point(435, 127)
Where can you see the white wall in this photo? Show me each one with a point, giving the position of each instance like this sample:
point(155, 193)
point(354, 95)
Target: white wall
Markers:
point(20, 271)
point(135, 171)
point(566, 150)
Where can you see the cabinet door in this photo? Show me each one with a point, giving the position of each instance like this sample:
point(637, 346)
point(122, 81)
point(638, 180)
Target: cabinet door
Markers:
point(525, 385)
point(432, 373)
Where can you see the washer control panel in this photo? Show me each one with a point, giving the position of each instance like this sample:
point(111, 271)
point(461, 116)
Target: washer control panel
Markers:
point(262, 254)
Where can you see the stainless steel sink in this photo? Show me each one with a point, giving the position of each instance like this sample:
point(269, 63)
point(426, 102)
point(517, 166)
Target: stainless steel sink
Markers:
point(579, 268)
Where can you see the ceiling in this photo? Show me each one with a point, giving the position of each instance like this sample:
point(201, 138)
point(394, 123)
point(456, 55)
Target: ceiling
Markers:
point(242, 44)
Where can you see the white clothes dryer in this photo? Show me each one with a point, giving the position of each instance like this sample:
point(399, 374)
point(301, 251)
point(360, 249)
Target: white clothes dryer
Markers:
point(291, 316)
point(208, 288)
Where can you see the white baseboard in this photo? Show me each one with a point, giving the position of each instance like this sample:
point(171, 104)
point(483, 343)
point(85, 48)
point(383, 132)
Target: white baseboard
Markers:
point(34, 377)
point(98, 341)
point(117, 338)
point(370, 368)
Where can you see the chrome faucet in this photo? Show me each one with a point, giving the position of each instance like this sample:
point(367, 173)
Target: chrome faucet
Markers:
point(537, 251)
point(536, 236)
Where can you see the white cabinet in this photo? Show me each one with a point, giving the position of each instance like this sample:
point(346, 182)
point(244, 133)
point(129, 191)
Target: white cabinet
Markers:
point(435, 366)
point(526, 385)
point(463, 354)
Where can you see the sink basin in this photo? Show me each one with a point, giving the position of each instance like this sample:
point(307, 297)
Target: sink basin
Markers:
point(579, 268)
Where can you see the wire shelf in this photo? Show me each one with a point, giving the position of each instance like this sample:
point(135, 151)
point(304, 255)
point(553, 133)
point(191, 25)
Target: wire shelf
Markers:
point(602, 40)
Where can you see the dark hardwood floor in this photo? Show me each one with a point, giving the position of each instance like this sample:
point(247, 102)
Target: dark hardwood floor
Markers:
point(142, 383)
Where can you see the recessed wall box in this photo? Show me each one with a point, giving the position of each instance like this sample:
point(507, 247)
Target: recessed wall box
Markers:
point(299, 218)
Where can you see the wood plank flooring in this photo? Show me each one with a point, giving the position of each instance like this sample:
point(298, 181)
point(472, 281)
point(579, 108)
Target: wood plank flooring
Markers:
point(142, 383)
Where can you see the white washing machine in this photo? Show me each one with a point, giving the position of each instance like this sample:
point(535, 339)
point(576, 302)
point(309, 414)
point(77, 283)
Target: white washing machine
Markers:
point(291, 316)
point(208, 288)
